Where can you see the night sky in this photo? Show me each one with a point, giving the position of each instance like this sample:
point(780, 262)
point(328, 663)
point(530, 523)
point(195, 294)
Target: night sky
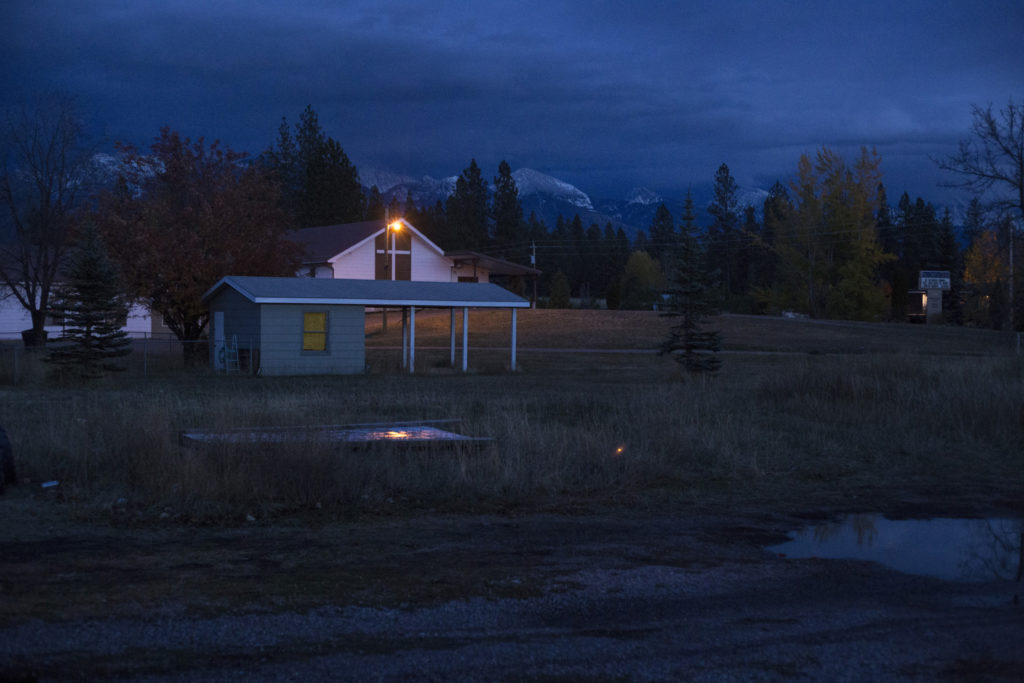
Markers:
point(606, 95)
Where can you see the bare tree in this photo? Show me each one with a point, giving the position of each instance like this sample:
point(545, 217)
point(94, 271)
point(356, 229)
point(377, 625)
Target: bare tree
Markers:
point(42, 180)
point(993, 158)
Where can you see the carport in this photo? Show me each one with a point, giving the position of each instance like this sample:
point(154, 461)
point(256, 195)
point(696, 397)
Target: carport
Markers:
point(317, 326)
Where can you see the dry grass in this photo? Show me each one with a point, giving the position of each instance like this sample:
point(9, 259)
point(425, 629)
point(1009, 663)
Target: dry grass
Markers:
point(571, 429)
point(596, 329)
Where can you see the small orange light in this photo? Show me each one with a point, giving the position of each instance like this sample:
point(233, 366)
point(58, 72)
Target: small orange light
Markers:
point(397, 225)
point(620, 450)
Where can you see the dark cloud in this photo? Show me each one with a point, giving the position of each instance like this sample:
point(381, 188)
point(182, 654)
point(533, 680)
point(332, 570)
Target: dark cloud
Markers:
point(605, 94)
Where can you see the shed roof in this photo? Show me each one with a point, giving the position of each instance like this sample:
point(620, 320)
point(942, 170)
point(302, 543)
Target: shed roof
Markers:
point(293, 290)
point(493, 264)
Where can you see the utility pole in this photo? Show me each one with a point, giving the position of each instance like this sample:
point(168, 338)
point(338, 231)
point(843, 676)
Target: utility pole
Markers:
point(1013, 235)
point(533, 263)
point(384, 311)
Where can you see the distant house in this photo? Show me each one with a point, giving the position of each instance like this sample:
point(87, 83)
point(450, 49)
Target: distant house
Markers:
point(375, 250)
point(14, 319)
point(305, 326)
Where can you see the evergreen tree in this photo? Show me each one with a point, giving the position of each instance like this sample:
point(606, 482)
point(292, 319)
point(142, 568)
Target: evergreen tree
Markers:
point(950, 259)
point(432, 221)
point(577, 272)
point(691, 301)
point(975, 221)
point(374, 205)
point(688, 220)
point(722, 245)
point(560, 294)
point(410, 211)
point(609, 267)
point(535, 228)
point(507, 211)
point(320, 185)
point(747, 253)
point(93, 311)
point(776, 211)
point(467, 210)
point(640, 243)
point(662, 233)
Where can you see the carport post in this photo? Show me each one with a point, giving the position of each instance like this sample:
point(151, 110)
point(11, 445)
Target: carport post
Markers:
point(405, 347)
point(452, 312)
point(465, 338)
point(513, 340)
point(412, 339)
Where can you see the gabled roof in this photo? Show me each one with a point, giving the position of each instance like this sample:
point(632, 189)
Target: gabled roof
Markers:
point(328, 291)
point(326, 243)
point(492, 264)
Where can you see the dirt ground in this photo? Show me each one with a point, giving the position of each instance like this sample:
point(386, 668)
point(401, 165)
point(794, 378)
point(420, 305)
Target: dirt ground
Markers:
point(598, 595)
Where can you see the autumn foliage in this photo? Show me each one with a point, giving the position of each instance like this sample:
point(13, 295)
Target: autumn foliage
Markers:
point(186, 215)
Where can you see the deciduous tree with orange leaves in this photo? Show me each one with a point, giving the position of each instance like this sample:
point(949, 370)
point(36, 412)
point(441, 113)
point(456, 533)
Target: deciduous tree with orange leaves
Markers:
point(187, 214)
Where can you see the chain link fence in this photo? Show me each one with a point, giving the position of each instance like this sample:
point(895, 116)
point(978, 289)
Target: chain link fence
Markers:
point(150, 357)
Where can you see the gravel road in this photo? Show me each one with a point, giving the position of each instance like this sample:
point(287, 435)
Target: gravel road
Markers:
point(602, 599)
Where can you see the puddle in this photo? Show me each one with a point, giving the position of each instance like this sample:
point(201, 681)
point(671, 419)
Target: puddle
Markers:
point(951, 549)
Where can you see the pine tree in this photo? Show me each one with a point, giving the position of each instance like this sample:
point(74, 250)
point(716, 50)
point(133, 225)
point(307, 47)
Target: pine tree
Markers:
point(951, 259)
point(975, 221)
point(662, 233)
point(691, 300)
point(776, 211)
point(507, 211)
point(560, 294)
point(467, 210)
point(722, 233)
point(93, 311)
point(374, 205)
point(319, 184)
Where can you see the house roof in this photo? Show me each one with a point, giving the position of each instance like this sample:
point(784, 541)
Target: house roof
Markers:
point(326, 242)
point(492, 264)
point(294, 290)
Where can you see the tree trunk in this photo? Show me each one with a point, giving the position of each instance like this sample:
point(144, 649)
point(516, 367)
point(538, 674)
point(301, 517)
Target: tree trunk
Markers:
point(196, 353)
point(36, 336)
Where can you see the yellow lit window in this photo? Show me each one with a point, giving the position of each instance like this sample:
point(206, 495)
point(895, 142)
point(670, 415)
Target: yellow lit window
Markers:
point(314, 331)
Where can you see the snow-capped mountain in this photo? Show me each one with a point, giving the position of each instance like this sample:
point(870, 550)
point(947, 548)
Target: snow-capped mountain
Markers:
point(531, 182)
point(549, 197)
point(425, 191)
point(636, 210)
point(644, 197)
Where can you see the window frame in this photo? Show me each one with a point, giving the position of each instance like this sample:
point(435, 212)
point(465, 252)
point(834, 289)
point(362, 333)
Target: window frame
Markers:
point(307, 331)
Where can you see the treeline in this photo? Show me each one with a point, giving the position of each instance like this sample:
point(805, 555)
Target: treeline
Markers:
point(185, 212)
point(826, 244)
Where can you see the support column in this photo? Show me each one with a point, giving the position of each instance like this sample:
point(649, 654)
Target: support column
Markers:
point(405, 339)
point(412, 339)
point(513, 340)
point(465, 339)
point(452, 312)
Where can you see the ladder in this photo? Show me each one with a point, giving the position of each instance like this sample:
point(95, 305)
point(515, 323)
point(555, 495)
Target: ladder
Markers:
point(231, 355)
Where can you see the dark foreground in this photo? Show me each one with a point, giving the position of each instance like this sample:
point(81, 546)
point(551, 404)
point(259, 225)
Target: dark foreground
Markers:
point(538, 597)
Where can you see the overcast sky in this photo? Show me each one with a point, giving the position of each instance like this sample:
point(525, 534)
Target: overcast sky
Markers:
point(606, 95)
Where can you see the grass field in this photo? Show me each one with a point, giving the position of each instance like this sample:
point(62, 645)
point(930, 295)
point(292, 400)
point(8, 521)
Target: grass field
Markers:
point(849, 413)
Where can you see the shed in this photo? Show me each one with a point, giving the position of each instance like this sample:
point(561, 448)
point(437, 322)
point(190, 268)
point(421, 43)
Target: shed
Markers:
point(305, 326)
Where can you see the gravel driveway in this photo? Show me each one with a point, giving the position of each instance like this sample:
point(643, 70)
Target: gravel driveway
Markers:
point(589, 598)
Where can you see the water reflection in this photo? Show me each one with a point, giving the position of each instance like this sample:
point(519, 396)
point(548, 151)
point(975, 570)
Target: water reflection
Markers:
point(953, 549)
